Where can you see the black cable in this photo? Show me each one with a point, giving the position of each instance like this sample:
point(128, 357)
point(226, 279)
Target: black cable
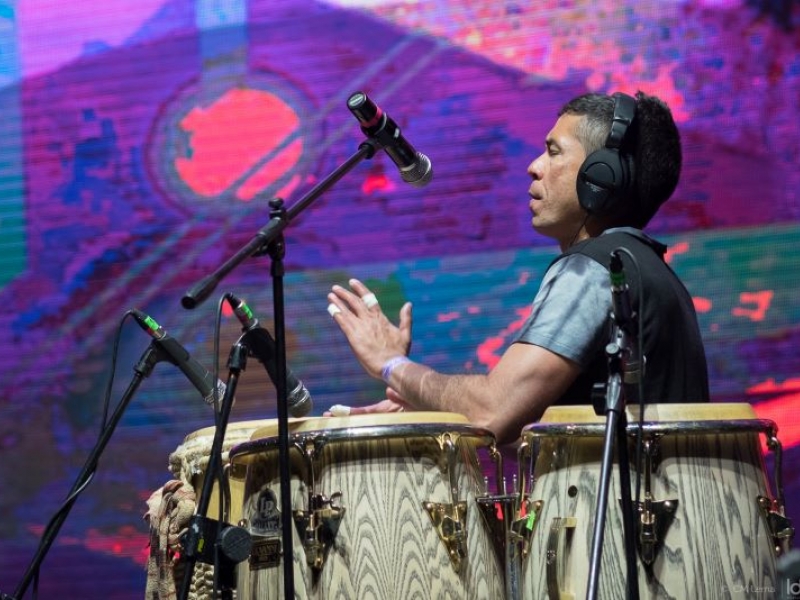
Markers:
point(578, 232)
point(643, 370)
point(73, 497)
point(215, 364)
point(114, 355)
point(220, 474)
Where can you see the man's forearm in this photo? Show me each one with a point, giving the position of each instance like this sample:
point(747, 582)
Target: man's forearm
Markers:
point(426, 389)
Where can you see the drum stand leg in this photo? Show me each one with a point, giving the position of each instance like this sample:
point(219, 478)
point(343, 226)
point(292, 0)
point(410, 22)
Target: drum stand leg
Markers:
point(511, 530)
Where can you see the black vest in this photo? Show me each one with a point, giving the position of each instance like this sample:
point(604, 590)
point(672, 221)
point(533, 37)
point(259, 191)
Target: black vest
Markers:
point(675, 368)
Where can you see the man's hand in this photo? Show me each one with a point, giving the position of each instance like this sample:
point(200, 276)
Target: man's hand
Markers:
point(373, 338)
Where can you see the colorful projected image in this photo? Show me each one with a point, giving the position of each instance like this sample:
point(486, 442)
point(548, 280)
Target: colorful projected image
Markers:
point(142, 141)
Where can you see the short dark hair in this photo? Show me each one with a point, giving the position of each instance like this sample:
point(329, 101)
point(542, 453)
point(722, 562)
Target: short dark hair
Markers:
point(652, 139)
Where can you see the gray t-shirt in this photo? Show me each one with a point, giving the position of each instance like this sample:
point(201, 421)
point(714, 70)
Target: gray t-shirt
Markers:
point(570, 314)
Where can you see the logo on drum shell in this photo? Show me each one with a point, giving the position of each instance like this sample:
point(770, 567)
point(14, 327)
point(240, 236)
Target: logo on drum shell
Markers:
point(266, 518)
point(265, 554)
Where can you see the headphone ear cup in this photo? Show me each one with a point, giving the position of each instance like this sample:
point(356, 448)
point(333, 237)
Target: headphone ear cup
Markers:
point(602, 180)
point(606, 175)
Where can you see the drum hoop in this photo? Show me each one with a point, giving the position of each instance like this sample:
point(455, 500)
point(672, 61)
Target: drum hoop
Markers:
point(353, 434)
point(652, 428)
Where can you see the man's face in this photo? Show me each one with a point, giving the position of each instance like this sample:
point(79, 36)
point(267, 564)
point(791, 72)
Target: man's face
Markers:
point(554, 197)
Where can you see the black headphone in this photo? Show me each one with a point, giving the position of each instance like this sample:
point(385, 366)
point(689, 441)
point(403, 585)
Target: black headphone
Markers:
point(606, 175)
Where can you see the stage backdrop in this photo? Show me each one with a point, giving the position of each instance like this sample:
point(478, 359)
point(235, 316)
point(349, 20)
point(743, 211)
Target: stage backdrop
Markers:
point(141, 141)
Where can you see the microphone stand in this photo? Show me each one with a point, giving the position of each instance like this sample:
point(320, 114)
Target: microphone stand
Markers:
point(153, 355)
point(269, 240)
point(231, 544)
point(616, 432)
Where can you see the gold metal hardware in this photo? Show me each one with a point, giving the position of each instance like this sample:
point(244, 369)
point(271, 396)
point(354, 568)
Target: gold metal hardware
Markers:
point(318, 527)
point(780, 527)
point(318, 524)
point(655, 517)
point(556, 557)
point(450, 520)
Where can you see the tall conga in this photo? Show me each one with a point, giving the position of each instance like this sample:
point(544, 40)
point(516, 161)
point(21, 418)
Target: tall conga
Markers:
point(707, 524)
point(383, 507)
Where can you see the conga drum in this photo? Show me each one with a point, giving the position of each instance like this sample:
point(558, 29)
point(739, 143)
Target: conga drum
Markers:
point(383, 506)
point(190, 460)
point(189, 463)
point(707, 524)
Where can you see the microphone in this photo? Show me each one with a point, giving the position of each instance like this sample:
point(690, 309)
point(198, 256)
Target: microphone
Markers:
point(298, 398)
point(626, 319)
point(415, 167)
point(180, 357)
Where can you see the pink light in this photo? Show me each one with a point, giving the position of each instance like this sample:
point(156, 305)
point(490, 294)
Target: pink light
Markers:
point(761, 300)
point(448, 316)
point(230, 139)
point(377, 182)
point(676, 249)
point(784, 410)
point(486, 350)
point(702, 305)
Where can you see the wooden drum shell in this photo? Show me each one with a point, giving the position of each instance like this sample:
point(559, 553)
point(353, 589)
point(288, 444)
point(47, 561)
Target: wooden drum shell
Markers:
point(708, 457)
point(385, 467)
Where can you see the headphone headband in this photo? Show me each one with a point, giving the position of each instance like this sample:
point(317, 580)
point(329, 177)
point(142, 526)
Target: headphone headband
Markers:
point(624, 111)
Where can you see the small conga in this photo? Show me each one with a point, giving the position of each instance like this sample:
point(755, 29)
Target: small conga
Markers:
point(188, 463)
point(707, 525)
point(190, 460)
point(383, 506)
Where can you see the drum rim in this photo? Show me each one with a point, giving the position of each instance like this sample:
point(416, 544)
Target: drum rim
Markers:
point(362, 433)
point(652, 428)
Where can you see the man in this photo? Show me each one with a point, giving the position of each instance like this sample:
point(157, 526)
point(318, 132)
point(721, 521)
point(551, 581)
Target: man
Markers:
point(594, 187)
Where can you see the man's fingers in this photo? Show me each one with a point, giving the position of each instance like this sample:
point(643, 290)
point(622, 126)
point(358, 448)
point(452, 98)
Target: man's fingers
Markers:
point(346, 297)
point(370, 300)
point(358, 288)
point(368, 297)
point(384, 406)
point(405, 324)
point(405, 316)
point(360, 298)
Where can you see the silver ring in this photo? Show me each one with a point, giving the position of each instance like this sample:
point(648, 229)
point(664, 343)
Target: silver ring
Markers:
point(369, 300)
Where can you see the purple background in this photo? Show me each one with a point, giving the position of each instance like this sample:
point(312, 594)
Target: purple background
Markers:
point(96, 219)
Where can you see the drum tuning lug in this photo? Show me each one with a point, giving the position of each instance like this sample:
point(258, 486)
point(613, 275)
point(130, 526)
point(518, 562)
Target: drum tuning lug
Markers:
point(780, 526)
point(654, 520)
point(318, 528)
point(450, 523)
